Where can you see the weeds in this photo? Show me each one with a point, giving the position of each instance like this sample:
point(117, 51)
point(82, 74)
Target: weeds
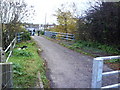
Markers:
point(26, 64)
point(18, 70)
point(106, 48)
point(22, 53)
point(89, 48)
point(113, 61)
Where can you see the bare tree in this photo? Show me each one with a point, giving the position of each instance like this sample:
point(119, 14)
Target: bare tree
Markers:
point(13, 13)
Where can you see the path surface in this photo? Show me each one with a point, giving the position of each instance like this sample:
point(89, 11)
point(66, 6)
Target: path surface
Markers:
point(67, 68)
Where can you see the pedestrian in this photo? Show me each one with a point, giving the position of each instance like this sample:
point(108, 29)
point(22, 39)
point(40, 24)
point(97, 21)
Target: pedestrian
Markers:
point(33, 32)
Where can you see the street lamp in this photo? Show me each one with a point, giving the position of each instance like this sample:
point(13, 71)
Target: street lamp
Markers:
point(0, 34)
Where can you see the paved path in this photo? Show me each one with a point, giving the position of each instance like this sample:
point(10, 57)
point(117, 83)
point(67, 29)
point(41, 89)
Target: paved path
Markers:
point(67, 68)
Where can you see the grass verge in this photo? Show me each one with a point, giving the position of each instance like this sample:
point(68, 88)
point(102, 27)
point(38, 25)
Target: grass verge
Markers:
point(26, 65)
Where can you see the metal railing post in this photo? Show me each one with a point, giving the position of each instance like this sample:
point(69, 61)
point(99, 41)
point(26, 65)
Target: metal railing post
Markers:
point(97, 73)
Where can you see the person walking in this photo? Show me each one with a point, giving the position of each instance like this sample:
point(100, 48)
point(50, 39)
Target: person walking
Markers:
point(33, 32)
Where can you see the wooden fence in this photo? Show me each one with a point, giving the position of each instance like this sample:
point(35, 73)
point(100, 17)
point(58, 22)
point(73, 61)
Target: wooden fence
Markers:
point(10, 49)
point(97, 72)
point(57, 35)
point(6, 68)
point(6, 76)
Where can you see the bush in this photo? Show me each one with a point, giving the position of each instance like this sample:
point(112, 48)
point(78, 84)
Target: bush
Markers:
point(26, 36)
point(22, 53)
point(18, 69)
point(42, 32)
point(103, 47)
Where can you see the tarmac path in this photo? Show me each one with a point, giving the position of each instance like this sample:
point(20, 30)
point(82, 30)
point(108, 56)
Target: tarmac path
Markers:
point(67, 68)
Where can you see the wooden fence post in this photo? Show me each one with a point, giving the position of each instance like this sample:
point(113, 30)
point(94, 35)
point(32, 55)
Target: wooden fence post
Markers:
point(3, 75)
point(97, 73)
point(0, 76)
point(7, 81)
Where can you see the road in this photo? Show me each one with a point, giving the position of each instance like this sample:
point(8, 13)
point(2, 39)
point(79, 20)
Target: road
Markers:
point(67, 68)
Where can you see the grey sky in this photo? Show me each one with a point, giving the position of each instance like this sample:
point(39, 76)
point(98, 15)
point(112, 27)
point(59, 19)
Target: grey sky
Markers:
point(48, 7)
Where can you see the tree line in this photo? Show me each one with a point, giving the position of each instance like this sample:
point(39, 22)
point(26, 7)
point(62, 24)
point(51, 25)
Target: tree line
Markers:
point(100, 23)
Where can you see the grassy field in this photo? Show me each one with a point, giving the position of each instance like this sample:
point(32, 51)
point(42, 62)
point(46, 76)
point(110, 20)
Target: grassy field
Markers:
point(26, 65)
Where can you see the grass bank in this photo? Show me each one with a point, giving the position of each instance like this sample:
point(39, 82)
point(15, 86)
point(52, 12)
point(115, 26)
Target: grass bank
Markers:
point(95, 50)
point(26, 65)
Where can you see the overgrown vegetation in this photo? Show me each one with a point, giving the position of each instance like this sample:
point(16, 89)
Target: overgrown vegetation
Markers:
point(106, 48)
point(66, 19)
point(12, 13)
point(95, 50)
point(42, 32)
point(113, 61)
point(26, 64)
point(100, 24)
point(25, 35)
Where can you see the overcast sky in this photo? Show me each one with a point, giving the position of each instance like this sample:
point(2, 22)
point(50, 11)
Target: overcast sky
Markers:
point(47, 8)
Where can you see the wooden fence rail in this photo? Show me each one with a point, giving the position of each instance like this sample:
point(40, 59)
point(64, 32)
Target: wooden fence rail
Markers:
point(10, 48)
point(6, 68)
point(97, 72)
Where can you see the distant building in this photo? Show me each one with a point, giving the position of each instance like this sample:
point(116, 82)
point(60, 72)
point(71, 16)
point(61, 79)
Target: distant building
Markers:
point(38, 27)
point(31, 27)
point(110, 0)
point(47, 26)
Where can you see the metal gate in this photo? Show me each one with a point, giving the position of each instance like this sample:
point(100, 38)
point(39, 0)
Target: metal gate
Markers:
point(98, 72)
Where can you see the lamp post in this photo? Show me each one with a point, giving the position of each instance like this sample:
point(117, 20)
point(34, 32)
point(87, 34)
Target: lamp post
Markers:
point(0, 41)
point(45, 25)
point(0, 34)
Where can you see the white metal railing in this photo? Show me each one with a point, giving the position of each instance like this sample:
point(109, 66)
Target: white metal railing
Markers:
point(98, 72)
point(10, 47)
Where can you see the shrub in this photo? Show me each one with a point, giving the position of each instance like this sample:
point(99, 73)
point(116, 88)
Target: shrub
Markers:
point(17, 69)
point(26, 36)
point(106, 48)
point(42, 32)
point(22, 53)
point(114, 61)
